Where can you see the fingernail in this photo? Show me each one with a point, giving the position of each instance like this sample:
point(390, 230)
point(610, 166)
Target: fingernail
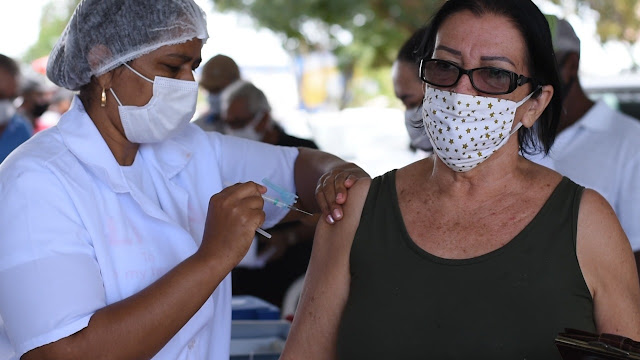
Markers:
point(330, 219)
point(337, 214)
point(339, 197)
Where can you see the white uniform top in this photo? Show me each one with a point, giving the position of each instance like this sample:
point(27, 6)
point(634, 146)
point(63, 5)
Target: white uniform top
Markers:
point(75, 237)
point(602, 152)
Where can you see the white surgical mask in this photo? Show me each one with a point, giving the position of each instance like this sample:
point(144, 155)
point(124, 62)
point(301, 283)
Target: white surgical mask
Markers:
point(248, 131)
point(7, 110)
point(168, 111)
point(417, 135)
point(465, 129)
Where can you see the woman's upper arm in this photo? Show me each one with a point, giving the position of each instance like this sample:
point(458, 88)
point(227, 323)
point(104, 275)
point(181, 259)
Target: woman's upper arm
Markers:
point(608, 266)
point(314, 330)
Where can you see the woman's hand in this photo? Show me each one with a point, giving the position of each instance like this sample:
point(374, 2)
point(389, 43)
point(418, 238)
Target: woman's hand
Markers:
point(234, 215)
point(332, 188)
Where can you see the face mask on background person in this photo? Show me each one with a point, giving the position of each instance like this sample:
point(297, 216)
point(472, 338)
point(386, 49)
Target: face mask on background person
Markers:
point(7, 110)
point(465, 129)
point(39, 109)
point(215, 104)
point(248, 131)
point(415, 128)
point(169, 110)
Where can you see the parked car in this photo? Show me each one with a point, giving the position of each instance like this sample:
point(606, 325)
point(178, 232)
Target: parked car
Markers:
point(620, 91)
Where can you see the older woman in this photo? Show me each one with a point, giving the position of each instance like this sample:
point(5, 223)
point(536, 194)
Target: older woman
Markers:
point(477, 253)
point(112, 242)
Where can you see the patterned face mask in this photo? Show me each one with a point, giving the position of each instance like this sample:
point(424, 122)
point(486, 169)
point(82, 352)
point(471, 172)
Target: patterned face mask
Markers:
point(465, 129)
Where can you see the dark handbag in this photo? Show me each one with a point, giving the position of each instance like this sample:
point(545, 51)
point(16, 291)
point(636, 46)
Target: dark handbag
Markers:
point(581, 345)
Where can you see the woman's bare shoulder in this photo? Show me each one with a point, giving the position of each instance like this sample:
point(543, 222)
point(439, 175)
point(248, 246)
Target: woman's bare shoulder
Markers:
point(597, 216)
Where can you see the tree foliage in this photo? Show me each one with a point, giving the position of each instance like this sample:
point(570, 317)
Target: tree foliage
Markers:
point(619, 19)
point(377, 27)
point(53, 20)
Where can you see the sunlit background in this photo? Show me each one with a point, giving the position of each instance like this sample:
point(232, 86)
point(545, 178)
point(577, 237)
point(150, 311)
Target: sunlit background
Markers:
point(361, 123)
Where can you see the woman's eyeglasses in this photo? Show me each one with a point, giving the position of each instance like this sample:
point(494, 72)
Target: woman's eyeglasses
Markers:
point(488, 80)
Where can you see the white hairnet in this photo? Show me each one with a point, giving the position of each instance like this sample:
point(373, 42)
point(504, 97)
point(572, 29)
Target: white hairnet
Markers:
point(103, 34)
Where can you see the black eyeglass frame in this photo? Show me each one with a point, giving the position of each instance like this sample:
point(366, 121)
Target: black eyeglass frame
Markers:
point(515, 79)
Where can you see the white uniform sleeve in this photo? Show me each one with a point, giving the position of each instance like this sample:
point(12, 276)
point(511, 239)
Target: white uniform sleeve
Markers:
point(50, 282)
point(242, 160)
point(629, 203)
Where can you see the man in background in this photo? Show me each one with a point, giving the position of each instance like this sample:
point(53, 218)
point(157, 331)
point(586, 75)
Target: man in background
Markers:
point(217, 73)
point(409, 89)
point(596, 146)
point(14, 128)
point(246, 113)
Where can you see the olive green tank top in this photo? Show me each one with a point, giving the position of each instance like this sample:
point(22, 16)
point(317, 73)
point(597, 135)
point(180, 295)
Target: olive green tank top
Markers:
point(405, 303)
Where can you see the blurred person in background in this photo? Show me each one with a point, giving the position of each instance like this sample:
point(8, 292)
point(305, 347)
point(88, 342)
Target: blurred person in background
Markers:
point(410, 90)
point(597, 146)
point(217, 73)
point(60, 103)
point(283, 258)
point(36, 92)
point(246, 113)
point(14, 128)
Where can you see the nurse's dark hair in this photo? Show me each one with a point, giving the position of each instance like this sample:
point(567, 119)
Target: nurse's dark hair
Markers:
point(541, 61)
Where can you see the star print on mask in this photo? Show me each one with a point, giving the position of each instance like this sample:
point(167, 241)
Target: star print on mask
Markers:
point(487, 119)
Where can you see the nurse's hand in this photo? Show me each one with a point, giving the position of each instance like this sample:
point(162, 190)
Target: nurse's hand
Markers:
point(234, 215)
point(332, 188)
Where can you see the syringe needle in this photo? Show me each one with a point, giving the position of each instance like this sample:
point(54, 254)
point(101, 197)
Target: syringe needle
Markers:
point(302, 211)
point(282, 204)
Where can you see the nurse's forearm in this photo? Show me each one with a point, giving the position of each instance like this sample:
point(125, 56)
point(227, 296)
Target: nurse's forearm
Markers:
point(309, 167)
point(139, 326)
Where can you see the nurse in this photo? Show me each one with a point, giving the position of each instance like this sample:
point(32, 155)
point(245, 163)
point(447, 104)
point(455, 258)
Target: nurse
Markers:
point(117, 234)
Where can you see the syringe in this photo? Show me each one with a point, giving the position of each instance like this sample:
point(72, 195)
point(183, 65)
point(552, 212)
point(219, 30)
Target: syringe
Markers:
point(279, 203)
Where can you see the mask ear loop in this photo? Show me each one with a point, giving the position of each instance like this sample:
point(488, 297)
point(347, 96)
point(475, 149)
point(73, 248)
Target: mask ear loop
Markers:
point(137, 73)
point(111, 89)
point(115, 97)
point(527, 97)
point(513, 131)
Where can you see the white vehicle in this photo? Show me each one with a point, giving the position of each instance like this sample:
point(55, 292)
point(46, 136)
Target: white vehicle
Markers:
point(619, 91)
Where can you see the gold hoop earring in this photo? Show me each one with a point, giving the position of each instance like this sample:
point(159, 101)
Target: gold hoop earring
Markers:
point(103, 100)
